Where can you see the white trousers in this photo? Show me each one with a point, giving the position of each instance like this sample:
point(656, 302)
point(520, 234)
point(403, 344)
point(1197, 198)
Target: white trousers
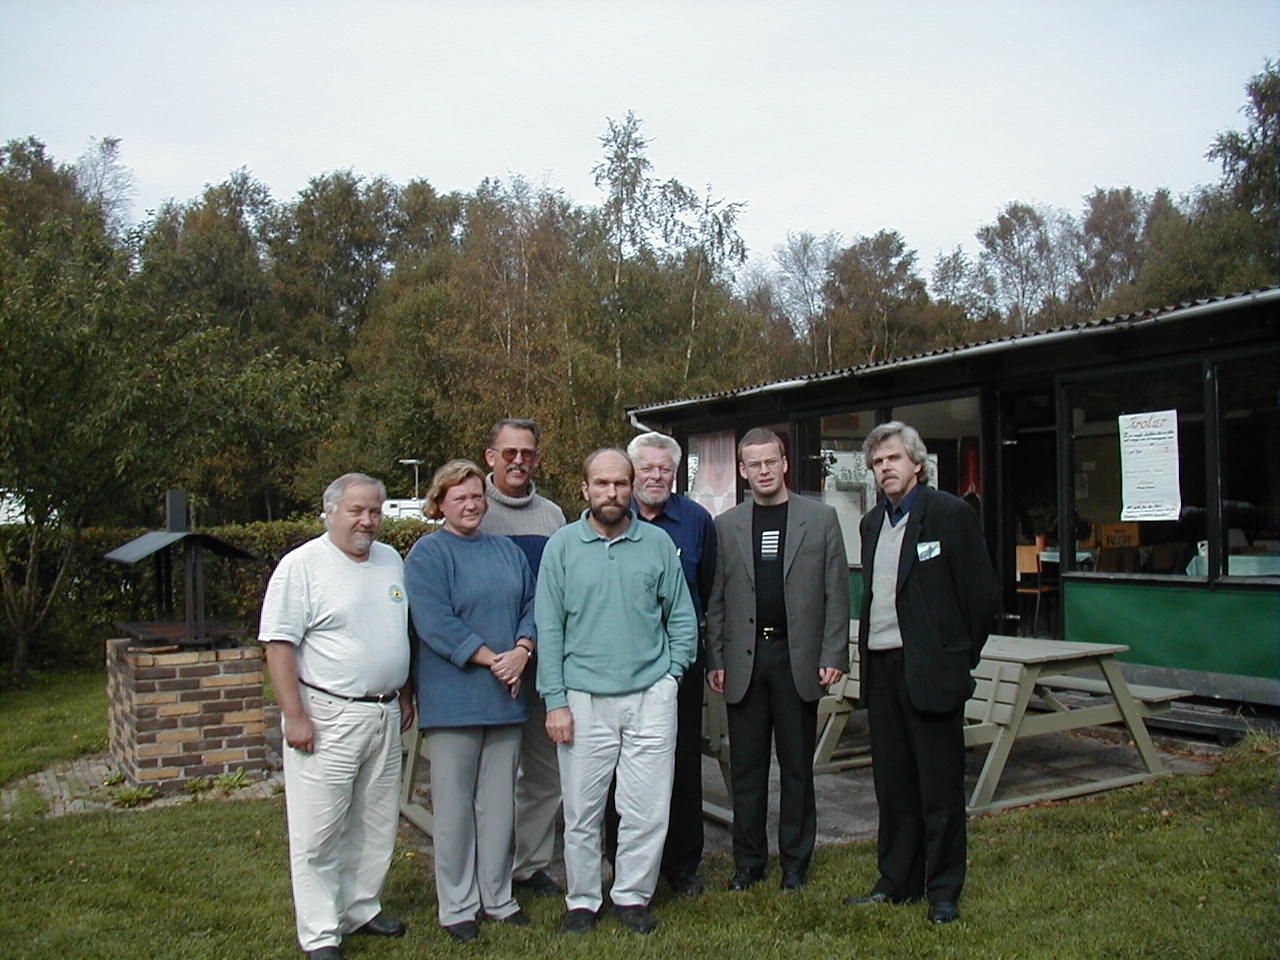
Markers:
point(473, 785)
point(343, 801)
point(634, 735)
point(537, 795)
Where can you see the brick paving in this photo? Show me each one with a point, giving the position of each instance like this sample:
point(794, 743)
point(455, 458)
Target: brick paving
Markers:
point(77, 786)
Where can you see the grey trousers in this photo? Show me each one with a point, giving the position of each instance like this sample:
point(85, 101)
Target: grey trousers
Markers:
point(473, 782)
point(537, 795)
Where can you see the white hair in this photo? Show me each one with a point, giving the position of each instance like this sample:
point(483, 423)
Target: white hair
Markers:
point(335, 491)
point(658, 440)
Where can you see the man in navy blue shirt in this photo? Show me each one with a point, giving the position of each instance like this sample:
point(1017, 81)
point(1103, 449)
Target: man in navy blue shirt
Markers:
point(656, 458)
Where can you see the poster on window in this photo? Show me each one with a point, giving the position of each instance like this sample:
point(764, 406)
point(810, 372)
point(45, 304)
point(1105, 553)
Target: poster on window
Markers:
point(1149, 466)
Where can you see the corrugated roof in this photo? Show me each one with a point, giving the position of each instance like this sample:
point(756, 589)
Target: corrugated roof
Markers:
point(1083, 327)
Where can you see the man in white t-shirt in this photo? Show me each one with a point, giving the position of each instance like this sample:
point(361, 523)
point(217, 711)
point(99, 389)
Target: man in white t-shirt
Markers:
point(335, 627)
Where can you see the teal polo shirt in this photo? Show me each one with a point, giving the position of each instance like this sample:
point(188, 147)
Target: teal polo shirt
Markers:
point(613, 616)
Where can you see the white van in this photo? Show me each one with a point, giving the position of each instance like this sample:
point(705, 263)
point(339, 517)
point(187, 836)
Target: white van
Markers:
point(397, 509)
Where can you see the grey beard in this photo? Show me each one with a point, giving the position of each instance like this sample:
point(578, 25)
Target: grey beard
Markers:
point(650, 503)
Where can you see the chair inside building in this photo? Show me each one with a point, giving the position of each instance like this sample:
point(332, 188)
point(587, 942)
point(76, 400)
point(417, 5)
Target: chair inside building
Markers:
point(1033, 581)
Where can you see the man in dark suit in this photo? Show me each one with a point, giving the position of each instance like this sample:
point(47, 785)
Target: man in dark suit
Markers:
point(777, 636)
point(928, 600)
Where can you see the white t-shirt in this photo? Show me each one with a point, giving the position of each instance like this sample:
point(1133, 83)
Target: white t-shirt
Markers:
point(348, 619)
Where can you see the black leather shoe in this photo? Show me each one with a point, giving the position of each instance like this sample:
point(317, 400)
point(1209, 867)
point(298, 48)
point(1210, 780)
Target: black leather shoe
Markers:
point(944, 911)
point(463, 932)
point(875, 896)
point(792, 881)
point(325, 953)
point(580, 920)
point(517, 919)
point(538, 882)
point(382, 925)
point(637, 918)
point(685, 884)
point(745, 878)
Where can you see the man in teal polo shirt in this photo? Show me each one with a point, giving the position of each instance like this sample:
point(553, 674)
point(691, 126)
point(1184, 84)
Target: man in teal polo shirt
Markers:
point(616, 630)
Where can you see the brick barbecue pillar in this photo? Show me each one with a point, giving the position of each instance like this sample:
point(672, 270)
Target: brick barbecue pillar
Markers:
point(191, 713)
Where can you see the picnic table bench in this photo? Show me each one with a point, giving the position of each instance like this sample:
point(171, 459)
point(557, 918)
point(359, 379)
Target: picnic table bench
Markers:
point(1017, 683)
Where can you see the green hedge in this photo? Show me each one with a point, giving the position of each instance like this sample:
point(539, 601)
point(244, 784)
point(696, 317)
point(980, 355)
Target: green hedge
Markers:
point(97, 594)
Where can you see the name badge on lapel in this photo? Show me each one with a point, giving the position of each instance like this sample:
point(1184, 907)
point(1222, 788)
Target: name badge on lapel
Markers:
point(928, 549)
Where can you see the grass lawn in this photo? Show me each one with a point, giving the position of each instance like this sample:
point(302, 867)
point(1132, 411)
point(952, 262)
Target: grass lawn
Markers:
point(54, 717)
point(1182, 868)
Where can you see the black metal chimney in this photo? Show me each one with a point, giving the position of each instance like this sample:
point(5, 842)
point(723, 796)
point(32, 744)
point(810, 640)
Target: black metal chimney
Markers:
point(175, 511)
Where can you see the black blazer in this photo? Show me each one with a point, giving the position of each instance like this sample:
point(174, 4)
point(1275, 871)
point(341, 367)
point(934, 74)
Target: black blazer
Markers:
point(946, 601)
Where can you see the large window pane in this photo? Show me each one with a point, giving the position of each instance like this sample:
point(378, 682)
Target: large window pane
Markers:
point(844, 482)
point(950, 429)
point(1112, 543)
point(1250, 440)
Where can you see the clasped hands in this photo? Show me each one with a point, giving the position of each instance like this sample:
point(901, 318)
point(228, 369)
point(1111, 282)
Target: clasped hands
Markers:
point(508, 667)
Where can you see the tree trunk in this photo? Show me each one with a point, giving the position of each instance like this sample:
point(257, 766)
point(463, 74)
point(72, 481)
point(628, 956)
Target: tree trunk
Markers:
point(26, 605)
point(693, 321)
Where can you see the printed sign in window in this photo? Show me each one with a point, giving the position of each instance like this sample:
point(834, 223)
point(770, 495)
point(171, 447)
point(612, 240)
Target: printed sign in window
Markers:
point(1151, 486)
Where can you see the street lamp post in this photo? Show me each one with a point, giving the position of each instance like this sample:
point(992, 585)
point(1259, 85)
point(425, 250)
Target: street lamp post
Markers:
point(416, 464)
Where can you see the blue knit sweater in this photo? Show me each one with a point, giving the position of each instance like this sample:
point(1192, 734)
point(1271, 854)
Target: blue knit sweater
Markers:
point(465, 592)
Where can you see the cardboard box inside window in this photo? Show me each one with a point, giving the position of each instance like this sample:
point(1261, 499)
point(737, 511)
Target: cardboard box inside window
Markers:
point(1120, 534)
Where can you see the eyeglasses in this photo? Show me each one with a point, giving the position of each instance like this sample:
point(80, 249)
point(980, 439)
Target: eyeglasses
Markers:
point(755, 466)
point(509, 454)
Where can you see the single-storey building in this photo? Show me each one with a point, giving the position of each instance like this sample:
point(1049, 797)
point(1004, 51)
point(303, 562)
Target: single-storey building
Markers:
point(1135, 460)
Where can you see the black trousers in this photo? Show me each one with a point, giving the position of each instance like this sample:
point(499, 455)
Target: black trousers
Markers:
point(682, 852)
point(772, 710)
point(917, 760)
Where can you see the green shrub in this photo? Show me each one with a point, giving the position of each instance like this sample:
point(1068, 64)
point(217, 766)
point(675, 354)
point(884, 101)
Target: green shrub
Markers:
point(98, 595)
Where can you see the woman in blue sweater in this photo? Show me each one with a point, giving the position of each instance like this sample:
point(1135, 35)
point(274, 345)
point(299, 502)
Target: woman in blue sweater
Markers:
point(471, 602)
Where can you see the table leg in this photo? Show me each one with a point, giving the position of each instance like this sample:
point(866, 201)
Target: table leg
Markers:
point(716, 724)
point(1132, 717)
point(412, 743)
point(998, 753)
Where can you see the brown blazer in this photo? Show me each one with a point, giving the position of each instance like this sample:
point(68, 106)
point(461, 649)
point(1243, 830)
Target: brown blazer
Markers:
point(815, 584)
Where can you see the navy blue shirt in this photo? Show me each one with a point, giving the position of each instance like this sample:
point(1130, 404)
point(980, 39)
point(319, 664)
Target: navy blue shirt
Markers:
point(691, 528)
point(903, 508)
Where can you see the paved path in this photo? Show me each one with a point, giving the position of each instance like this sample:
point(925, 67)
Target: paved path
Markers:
point(846, 800)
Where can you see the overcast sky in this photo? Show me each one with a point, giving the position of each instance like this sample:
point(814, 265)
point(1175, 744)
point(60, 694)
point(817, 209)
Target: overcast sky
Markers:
point(822, 115)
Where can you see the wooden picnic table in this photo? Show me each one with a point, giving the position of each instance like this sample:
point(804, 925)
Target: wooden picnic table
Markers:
point(1020, 682)
point(1031, 667)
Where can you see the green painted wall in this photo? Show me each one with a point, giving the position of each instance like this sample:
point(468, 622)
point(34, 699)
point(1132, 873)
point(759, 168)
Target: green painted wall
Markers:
point(855, 593)
point(1222, 631)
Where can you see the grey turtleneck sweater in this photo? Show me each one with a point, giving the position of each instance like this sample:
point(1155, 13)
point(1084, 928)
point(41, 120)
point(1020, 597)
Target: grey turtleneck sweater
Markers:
point(529, 520)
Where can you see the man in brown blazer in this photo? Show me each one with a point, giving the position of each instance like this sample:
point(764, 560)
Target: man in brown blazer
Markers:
point(777, 636)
